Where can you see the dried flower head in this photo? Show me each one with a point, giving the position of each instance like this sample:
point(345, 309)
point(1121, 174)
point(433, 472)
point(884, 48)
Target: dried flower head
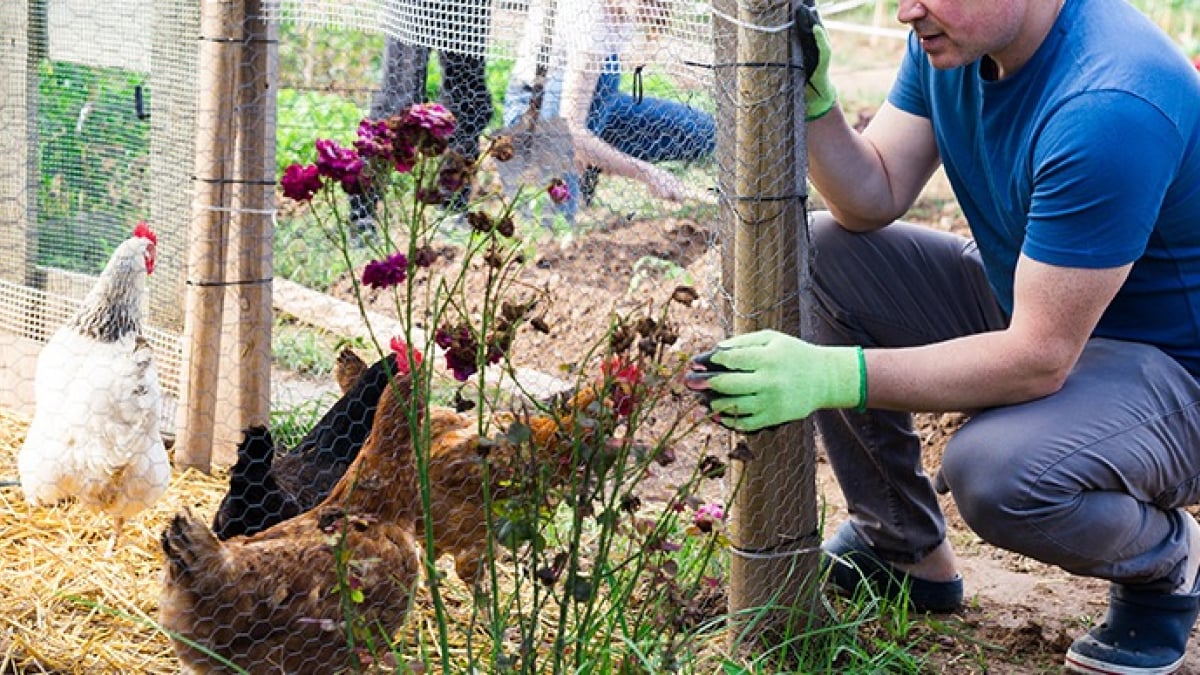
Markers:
point(424, 256)
point(502, 149)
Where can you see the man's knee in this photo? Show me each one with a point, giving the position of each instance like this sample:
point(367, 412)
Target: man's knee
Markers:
point(990, 487)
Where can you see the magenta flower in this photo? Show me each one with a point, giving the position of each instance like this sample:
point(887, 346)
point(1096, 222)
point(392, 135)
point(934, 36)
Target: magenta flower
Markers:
point(404, 155)
point(300, 182)
point(336, 162)
point(558, 191)
point(708, 516)
point(433, 117)
point(386, 273)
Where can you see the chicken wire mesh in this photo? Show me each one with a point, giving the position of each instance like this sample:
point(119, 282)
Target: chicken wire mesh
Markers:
point(91, 160)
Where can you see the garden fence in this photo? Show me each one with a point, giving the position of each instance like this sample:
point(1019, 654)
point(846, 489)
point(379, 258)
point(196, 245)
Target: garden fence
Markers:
point(184, 115)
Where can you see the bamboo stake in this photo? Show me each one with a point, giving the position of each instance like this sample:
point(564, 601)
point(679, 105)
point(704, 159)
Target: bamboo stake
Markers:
point(773, 524)
point(220, 41)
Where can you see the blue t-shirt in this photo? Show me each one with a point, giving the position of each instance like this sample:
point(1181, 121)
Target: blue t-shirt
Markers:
point(1088, 156)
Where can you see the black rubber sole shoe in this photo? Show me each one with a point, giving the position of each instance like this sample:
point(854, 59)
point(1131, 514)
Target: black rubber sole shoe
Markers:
point(1143, 634)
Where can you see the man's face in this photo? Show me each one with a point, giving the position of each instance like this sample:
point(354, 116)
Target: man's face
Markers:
point(954, 33)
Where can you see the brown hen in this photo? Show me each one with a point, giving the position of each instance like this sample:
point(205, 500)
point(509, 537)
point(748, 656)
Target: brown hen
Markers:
point(275, 601)
point(457, 452)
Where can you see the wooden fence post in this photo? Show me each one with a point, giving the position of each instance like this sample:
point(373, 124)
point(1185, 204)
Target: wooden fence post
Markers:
point(220, 43)
point(773, 518)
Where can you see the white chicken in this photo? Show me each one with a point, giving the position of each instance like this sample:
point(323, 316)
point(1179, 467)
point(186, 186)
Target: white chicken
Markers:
point(95, 432)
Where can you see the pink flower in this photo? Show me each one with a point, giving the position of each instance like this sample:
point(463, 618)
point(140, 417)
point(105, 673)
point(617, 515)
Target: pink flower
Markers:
point(400, 349)
point(300, 182)
point(433, 117)
point(337, 162)
point(386, 273)
point(708, 516)
point(558, 191)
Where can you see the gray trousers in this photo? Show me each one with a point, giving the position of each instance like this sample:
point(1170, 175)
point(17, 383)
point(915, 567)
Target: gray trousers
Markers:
point(1091, 479)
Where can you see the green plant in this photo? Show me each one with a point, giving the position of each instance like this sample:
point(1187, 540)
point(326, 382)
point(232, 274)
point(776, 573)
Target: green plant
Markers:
point(302, 115)
point(301, 349)
point(574, 561)
point(649, 267)
point(93, 153)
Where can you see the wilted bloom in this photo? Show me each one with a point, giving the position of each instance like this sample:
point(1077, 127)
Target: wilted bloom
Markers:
point(625, 378)
point(708, 516)
point(433, 117)
point(374, 139)
point(460, 346)
point(424, 256)
point(400, 349)
point(300, 182)
point(455, 172)
point(431, 197)
point(558, 191)
point(386, 273)
point(404, 155)
point(502, 149)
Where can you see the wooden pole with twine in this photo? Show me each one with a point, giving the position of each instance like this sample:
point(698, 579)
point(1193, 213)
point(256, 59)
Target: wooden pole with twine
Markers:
point(773, 518)
point(220, 43)
point(249, 361)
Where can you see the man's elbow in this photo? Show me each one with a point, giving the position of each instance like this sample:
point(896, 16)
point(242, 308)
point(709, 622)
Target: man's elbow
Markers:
point(1045, 377)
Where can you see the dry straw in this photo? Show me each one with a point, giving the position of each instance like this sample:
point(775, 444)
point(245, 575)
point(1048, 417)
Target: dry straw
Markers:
point(69, 609)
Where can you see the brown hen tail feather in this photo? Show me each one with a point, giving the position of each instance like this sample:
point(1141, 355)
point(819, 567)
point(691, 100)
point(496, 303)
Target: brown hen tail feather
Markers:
point(186, 542)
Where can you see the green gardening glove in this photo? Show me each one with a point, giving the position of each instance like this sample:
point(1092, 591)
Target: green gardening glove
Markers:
point(813, 39)
point(767, 378)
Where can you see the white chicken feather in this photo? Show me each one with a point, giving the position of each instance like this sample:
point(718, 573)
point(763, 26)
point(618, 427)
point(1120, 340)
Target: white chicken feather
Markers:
point(95, 433)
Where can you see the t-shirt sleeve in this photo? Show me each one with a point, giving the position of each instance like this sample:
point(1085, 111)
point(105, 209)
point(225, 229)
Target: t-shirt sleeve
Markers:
point(909, 91)
point(1101, 168)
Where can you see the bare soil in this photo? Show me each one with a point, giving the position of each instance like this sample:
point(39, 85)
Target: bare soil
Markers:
point(1021, 615)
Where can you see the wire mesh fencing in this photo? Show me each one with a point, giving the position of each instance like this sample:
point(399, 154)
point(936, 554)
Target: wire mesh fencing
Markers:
point(421, 375)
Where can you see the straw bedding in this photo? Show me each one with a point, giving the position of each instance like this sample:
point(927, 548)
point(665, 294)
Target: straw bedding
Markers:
point(69, 609)
point(66, 608)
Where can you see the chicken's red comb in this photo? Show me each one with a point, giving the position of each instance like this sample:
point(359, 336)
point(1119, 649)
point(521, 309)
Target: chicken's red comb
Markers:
point(143, 230)
point(400, 349)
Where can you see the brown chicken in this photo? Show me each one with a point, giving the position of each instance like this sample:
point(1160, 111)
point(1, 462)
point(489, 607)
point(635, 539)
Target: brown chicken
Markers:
point(456, 466)
point(275, 601)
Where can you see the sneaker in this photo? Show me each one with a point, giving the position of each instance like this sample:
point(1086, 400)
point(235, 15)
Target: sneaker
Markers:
point(1144, 633)
point(852, 562)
